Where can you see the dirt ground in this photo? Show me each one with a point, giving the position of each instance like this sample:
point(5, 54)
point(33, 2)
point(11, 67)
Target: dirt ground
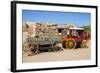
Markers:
point(67, 54)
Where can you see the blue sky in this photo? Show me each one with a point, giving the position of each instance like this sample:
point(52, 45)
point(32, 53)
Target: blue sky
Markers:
point(79, 19)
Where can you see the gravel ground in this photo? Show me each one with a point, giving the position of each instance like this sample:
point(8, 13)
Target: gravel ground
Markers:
point(67, 54)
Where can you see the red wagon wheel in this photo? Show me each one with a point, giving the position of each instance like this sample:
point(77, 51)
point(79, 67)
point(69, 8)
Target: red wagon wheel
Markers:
point(70, 43)
point(84, 44)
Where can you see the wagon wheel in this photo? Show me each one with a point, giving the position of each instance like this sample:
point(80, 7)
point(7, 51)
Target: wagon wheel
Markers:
point(25, 47)
point(64, 44)
point(84, 44)
point(55, 46)
point(70, 44)
point(30, 49)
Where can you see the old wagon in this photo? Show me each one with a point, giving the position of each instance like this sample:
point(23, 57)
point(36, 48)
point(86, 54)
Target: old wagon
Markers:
point(73, 38)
